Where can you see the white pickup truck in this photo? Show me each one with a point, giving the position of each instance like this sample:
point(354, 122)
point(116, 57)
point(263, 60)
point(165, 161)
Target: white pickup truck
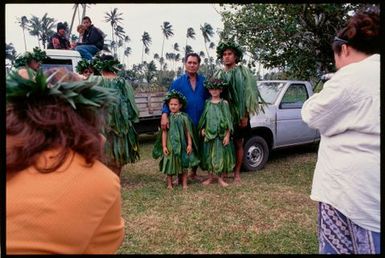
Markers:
point(149, 103)
point(281, 125)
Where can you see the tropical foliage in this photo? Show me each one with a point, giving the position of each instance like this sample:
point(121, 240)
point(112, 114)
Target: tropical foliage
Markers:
point(295, 38)
point(297, 46)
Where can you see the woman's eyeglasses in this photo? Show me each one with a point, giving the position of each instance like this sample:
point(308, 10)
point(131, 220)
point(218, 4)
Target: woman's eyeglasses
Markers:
point(343, 41)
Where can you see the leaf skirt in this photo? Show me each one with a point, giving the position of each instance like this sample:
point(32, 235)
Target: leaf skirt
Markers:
point(216, 157)
point(121, 149)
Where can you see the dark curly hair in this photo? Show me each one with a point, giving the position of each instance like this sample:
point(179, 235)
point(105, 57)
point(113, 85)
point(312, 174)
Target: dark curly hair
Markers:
point(362, 32)
point(41, 124)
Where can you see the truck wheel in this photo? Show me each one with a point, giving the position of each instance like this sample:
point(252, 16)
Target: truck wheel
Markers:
point(256, 153)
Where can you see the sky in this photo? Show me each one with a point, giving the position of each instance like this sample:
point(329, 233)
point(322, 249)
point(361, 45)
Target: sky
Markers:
point(137, 18)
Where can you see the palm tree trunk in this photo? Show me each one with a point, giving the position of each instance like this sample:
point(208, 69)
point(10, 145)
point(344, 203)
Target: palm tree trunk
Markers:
point(207, 52)
point(161, 68)
point(84, 10)
point(142, 53)
point(38, 41)
point(73, 18)
point(186, 44)
point(25, 42)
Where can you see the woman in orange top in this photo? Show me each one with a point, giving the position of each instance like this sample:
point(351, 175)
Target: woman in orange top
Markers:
point(60, 198)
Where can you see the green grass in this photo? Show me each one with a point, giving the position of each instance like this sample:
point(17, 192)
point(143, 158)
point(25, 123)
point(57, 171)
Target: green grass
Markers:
point(270, 212)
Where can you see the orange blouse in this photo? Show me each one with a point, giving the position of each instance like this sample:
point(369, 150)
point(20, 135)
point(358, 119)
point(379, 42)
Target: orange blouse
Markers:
point(75, 210)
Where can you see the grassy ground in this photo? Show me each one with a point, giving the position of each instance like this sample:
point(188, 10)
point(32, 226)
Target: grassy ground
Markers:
point(270, 212)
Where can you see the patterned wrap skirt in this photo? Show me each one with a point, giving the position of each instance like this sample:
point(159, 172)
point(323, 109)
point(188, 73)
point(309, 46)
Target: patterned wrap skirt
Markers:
point(337, 234)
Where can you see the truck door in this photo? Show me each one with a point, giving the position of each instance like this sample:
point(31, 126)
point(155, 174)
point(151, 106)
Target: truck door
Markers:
point(291, 130)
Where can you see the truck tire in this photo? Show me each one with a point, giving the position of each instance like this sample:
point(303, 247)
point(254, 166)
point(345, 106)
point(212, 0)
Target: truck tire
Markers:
point(256, 153)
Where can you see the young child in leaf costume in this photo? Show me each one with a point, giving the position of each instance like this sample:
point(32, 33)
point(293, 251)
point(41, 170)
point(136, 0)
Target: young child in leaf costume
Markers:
point(216, 126)
point(176, 146)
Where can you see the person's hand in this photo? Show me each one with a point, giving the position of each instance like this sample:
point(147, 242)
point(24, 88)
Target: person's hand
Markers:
point(203, 133)
point(164, 123)
point(243, 122)
point(56, 43)
point(226, 140)
point(165, 151)
point(189, 149)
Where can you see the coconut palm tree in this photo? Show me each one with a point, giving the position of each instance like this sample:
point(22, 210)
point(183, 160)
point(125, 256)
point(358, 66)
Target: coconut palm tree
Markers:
point(47, 28)
point(167, 32)
point(207, 32)
point(10, 52)
point(35, 28)
point(202, 54)
point(75, 7)
point(120, 34)
point(188, 49)
point(189, 34)
point(23, 22)
point(127, 52)
point(146, 40)
point(176, 47)
point(113, 17)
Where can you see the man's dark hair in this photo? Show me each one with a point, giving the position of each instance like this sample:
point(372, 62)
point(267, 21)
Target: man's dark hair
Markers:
point(192, 54)
point(87, 18)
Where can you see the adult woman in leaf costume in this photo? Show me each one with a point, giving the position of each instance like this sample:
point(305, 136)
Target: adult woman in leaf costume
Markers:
point(216, 126)
point(242, 94)
point(122, 145)
point(177, 146)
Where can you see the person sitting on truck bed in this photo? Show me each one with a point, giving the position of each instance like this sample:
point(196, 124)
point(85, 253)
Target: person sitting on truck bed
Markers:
point(59, 39)
point(92, 42)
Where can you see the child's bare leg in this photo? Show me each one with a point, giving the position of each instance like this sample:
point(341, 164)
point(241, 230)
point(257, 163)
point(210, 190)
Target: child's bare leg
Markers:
point(169, 182)
point(184, 180)
point(208, 180)
point(178, 180)
point(221, 180)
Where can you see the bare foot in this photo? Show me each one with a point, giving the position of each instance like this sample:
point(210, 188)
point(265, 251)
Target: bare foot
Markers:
point(184, 188)
point(169, 187)
point(222, 182)
point(237, 180)
point(207, 181)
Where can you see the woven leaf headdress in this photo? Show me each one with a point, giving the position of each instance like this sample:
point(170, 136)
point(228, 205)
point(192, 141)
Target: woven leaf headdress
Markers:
point(177, 95)
point(75, 92)
point(222, 46)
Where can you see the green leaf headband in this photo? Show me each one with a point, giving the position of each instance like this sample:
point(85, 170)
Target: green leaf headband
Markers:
point(38, 86)
point(215, 83)
point(174, 94)
point(37, 54)
point(83, 65)
point(222, 46)
point(112, 65)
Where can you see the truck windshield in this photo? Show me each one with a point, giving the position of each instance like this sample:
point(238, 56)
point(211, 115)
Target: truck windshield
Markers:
point(269, 90)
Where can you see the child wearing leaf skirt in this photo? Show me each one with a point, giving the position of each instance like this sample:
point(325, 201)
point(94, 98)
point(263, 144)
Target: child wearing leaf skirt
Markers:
point(177, 146)
point(215, 126)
